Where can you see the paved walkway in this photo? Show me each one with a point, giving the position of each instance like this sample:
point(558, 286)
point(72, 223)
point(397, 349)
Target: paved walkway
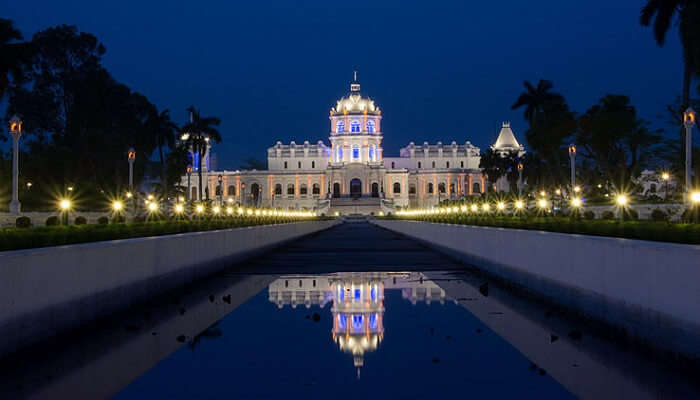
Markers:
point(350, 247)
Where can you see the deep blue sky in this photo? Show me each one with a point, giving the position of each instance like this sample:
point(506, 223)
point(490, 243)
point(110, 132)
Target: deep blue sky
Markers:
point(440, 70)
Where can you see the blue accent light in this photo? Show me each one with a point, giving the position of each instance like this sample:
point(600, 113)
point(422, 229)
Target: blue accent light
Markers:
point(195, 164)
point(355, 153)
point(358, 294)
point(373, 294)
point(341, 294)
point(357, 322)
point(355, 126)
point(371, 153)
point(370, 126)
point(373, 321)
point(340, 126)
point(342, 321)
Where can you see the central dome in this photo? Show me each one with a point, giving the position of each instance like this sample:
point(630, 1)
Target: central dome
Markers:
point(354, 103)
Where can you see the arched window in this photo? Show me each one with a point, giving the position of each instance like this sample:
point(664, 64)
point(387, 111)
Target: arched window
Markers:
point(315, 189)
point(340, 154)
point(217, 190)
point(412, 189)
point(476, 188)
point(419, 166)
point(313, 164)
point(231, 191)
point(452, 187)
point(278, 189)
point(290, 189)
point(303, 189)
point(433, 164)
point(355, 126)
point(370, 126)
point(397, 187)
point(431, 189)
point(441, 187)
point(447, 164)
point(371, 153)
point(340, 126)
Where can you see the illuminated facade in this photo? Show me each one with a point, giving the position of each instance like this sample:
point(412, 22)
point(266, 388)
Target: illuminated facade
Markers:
point(351, 175)
point(357, 303)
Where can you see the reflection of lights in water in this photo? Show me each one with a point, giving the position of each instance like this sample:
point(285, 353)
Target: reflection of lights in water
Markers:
point(357, 303)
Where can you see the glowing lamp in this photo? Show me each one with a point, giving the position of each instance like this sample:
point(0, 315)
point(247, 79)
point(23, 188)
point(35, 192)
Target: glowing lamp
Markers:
point(485, 207)
point(576, 202)
point(64, 204)
point(117, 205)
point(179, 208)
point(131, 155)
point(129, 195)
point(216, 210)
point(621, 200)
point(501, 205)
point(577, 189)
point(543, 193)
point(199, 209)
point(695, 197)
point(229, 210)
point(542, 203)
point(519, 205)
point(572, 150)
point(665, 176)
point(153, 207)
point(474, 208)
point(689, 117)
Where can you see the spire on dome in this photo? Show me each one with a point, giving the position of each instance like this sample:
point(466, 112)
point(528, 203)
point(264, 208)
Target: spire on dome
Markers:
point(354, 86)
point(506, 139)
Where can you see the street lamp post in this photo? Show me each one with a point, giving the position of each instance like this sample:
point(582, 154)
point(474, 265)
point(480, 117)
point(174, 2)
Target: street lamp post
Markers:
point(520, 179)
point(688, 121)
point(572, 157)
point(243, 199)
point(220, 179)
point(16, 132)
point(189, 175)
point(665, 177)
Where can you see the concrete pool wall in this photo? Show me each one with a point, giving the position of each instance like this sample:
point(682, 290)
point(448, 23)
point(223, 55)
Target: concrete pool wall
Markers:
point(650, 290)
point(49, 290)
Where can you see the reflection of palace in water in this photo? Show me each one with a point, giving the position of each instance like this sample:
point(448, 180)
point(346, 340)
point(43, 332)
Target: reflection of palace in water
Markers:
point(357, 303)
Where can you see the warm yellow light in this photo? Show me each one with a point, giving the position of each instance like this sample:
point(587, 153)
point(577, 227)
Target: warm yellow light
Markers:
point(64, 204)
point(230, 200)
point(695, 197)
point(577, 188)
point(199, 209)
point(665, 176)
point(600, 186)
point(519, 205)
point(501, 205)
point(152, 206)
point(463, 208)
point(543, 193)
point(216, 210)
point(556, 191)
point(129, 195)
point(622, 200)
point(117, 205)
point(229, 210)
point(257, 212)
point(542, 203)
point(474, 208)
point(249, 212)
point(485, 207)
point(239, 211)
point(179, 208)
point(381, 213)
point(576, 202)
point(336, 213)
point(150, 197)
point(180, 199)
point(70, 188)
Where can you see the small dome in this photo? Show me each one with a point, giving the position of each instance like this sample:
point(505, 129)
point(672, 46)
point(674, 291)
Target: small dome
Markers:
point(355, 103)
point(506, 139)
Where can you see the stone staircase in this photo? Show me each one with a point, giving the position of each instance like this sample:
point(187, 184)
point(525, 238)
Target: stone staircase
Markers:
point(360, 205)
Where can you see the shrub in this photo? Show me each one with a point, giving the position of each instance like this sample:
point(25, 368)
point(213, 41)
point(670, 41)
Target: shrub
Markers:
point(103, 220)
point(139, 219)
point(589, 215)
point(80, 220)
point(630, 214)
point(607, 214)
point(118, 219)
point(23, 222)
point(53, 221)
point(659, 215)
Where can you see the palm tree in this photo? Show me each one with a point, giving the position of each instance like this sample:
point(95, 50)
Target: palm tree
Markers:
point(197, 134)
point(535, 99)
point(12, 54)
point(163, 130)
point(663, 13)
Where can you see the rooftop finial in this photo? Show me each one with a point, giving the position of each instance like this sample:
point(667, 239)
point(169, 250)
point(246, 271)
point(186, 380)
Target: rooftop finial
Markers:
point(354, 86)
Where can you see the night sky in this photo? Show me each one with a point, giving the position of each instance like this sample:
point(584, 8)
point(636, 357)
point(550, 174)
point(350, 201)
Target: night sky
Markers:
point(439, 70)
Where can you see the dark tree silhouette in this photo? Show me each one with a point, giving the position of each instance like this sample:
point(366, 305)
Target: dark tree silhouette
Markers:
point(163, 129)
point(198, 132)
point(535, 99)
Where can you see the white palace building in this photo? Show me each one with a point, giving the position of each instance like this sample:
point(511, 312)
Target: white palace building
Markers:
point(352, 175)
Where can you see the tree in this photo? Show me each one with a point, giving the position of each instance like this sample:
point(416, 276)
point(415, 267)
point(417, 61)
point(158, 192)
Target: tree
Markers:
point(663, 13)
point(198, 132)
point(13, 55)
point(536, 99)
point(611, 135)
point(163, 130)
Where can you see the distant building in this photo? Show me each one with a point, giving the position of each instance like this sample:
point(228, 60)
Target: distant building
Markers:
point(351, 175)
point(506, 144)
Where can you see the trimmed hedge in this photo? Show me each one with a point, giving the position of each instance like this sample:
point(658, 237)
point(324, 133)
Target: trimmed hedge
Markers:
point(16, 239)
point(641, 230)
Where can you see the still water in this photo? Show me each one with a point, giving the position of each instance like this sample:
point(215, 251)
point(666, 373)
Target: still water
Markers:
point(416, 326)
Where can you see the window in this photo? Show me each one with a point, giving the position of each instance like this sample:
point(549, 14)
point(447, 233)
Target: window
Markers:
point(285, 165)
point(371, 153)
point(393, 165)
point(217, 191)
point(303, 189)
point(441, 187)
point(461, 164)
point(231, 191)
point(355, 152)
point(419, 166)
point(355, 126)
point(313, 164)
point(278, 189)
point(370, 126)
point(340, 154)
point(431, 189)
point(447, 164)
point(397, 187)
point(290, 189)
point(433, 164)
point(340, 126)
point(315, 189)
point(452, 187)
point(299, 165)
point(411, 189)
